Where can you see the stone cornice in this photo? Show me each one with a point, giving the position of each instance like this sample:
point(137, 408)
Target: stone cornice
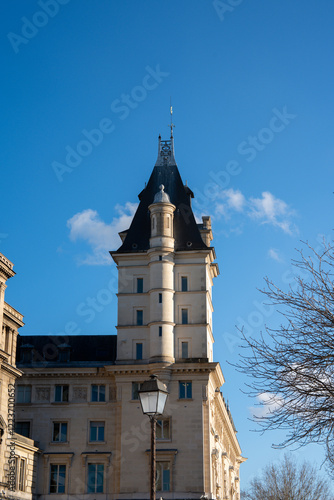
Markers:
point(131, 369)
point(162, 322)
point(194, 367)
point(220, 406)
point(3, 356)
point(120, 327)
point(187, 325)
point(209, 251)
point(144, 294)
point(122, 369)
point(11, 369)
point(23, 442)
point(6, 267)
point(72, 372)
point(218, 375)
point(13, 314)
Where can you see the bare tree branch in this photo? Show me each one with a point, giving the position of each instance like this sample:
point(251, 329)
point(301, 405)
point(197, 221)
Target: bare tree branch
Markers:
point(288, 481)
point(293, 365)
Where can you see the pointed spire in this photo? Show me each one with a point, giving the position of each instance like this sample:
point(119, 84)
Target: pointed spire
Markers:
point(166, 148)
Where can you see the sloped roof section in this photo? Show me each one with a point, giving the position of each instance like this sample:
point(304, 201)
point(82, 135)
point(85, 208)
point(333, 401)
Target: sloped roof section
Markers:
point(186, 232)
point(84, 350)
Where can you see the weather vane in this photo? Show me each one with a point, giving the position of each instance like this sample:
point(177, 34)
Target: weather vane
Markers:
point(171, 119)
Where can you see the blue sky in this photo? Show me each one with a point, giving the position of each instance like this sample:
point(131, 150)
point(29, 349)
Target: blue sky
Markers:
point(86, 89)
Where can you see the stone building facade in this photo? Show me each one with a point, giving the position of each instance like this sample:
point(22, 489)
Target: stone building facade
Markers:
point(18, 454)
point(78, 396)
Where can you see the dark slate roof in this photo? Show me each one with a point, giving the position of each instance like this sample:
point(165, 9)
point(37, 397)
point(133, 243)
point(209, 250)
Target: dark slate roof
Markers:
point(84, 350)
point(186, 232)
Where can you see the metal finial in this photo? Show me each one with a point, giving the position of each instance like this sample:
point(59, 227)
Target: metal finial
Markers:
point(171, 119)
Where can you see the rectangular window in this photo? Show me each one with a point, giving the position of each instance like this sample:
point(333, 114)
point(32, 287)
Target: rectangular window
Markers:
point(21, 476)
point(98, 393)
point(140, 285)
point(139, 351)
point(163, 429)
point(160, 298)
point(184, 316)
point(57, 478)
point(23, 393)
point(96, 431)
point(135, 389)
point(160, 257)
point(184, 347)
point(23, 428)
point(95, 478)
point(59, 434)
point(61, 394)
point(185, 390)
point(160, 331)
point(184, 284)
point(139, 317)
point(163, 476)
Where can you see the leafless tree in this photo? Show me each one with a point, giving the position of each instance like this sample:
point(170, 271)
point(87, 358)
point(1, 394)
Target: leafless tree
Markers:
point(291, 368)
point(288, 481)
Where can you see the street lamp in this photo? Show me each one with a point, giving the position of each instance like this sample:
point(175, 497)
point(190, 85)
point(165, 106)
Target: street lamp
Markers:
point(153, 395)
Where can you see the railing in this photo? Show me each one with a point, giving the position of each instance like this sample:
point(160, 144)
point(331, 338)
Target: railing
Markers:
point(12, 311)
point(228, 412)
point(6, 261)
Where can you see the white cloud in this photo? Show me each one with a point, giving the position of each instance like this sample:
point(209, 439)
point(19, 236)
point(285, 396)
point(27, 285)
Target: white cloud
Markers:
point(268, 403)
point(266, 210)
point(273, 254)
point(230, 200)
point(221, 209)
point(101, 237)
point(271, 210)
point(235, 199)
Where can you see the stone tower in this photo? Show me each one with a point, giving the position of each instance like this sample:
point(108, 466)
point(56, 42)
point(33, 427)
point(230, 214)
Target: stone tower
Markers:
point(166, 270)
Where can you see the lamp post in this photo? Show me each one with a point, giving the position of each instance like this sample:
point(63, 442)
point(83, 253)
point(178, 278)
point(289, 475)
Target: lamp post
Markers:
point(153, 395)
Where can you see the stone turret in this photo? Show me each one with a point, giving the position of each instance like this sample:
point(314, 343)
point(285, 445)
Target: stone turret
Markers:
point(162, 219)
point(162, 278)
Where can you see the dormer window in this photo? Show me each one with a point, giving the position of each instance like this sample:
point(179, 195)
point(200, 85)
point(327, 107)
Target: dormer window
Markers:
point(64, 353)
point(26, 351)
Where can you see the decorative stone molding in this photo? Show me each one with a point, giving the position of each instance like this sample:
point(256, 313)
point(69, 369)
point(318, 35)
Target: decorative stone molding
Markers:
point(58, 457)
point(112, 393)
point(80, 393)
point(6, 261)
point(13, 313)
point(43, 393)
point(95, 457)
